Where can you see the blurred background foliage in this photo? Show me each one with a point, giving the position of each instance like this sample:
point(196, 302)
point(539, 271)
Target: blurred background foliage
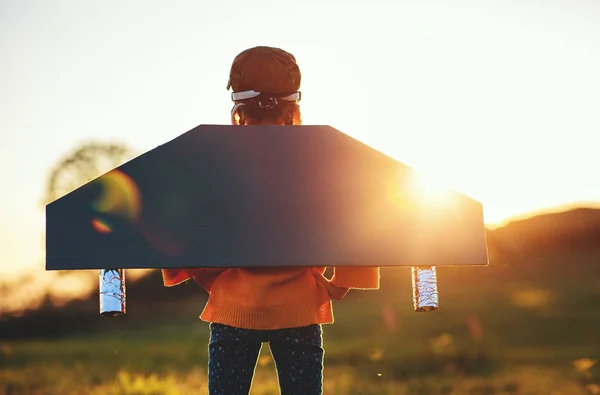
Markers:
point(526, 324)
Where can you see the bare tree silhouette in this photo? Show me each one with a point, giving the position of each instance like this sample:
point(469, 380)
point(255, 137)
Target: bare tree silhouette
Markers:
point(76, 168)
point(82, 165)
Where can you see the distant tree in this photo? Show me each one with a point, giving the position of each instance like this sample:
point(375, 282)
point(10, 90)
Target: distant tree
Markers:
point(83, 164)
point(80, 166)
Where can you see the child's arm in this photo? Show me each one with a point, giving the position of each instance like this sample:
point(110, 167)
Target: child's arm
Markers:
point(356, 277)
point(333, 291)
point(202, 276)
point(346, 278)
point(172, 277)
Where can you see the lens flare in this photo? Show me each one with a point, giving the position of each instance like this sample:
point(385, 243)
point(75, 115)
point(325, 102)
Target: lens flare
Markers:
point(101, 226)
point(120, 197)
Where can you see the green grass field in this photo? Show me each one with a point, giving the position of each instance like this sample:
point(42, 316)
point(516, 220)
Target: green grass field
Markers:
point(494, 334)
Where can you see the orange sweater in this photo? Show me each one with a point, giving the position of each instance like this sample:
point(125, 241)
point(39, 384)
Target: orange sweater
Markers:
point(272, 298)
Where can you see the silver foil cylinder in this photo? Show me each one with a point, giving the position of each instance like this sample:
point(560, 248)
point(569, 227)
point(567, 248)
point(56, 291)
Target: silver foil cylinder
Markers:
point(112, 292)
point(425, 289)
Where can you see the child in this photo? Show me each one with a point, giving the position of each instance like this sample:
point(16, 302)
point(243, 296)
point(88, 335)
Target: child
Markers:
point(282, 306)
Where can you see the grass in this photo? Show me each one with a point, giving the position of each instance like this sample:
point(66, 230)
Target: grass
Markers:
point(528, 336)
point(56, 378)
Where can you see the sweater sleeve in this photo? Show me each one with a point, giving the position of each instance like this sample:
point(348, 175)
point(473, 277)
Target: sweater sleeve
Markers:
point(356, 277)
point(202, 276)
point(172, 277)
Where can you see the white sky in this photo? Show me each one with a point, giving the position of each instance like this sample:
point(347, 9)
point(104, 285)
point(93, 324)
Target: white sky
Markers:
point(498, 99)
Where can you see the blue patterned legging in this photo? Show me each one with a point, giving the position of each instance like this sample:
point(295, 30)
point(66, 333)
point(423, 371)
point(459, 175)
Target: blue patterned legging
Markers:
point(233, 352)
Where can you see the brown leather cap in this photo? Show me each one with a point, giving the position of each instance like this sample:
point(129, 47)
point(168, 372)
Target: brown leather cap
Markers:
point(264, 69)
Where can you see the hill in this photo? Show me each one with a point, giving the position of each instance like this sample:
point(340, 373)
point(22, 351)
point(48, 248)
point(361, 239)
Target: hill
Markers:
point(578, 228)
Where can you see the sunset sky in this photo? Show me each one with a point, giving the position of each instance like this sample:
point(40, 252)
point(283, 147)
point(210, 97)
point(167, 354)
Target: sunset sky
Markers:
point(498, 99)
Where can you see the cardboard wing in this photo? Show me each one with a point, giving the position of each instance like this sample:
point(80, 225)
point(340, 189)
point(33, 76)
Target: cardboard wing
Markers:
point(256, 196)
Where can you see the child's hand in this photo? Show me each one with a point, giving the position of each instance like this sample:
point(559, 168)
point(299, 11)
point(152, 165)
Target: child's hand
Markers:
point(333, 291)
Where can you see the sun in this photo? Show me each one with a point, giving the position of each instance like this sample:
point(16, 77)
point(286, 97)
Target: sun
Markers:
point(428, 184)
point(429, 188)
point(417, 191)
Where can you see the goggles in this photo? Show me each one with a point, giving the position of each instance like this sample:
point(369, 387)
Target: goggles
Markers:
point(244, 95)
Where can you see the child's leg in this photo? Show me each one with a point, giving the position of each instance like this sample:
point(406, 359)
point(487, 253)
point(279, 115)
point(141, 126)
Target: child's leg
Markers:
point(298, 355)
point(232, 355)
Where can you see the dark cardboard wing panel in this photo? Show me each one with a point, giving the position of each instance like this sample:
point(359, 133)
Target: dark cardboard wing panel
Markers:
point(228, 196)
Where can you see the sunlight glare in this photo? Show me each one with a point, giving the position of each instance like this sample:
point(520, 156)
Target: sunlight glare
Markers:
point(429, 188)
